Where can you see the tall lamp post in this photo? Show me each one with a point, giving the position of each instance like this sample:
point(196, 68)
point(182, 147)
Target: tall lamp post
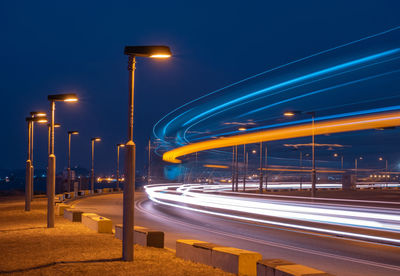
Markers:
point(70, 133)
point(149, 160)
point(93, 140)
point(386, 177)
point(33, 115)
point(118, 147)
point(313, 171)
point(29, 170)
point(129, 186)
point(49, 132)
point(341, 159)
point(51, 174)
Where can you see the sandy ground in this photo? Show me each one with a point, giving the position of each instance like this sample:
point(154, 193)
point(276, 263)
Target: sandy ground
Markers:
point(29, 248)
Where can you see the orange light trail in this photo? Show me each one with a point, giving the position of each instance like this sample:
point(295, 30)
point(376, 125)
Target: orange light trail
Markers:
point(333, 126)
point(216, 166)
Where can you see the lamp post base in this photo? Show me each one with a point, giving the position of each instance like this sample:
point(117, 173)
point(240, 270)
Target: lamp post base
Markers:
point(128, 203)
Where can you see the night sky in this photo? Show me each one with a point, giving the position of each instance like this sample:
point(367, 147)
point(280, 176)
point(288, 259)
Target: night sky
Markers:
point(77, 46)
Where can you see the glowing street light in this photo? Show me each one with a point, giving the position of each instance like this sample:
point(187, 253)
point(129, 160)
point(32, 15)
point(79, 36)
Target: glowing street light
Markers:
point(29, 169)
point(313, 171)
point(160, 52)
point(34, 114)
point(51, 174)
point(341, 159)
point(118, 146)
point(386, 161)
point(70, 133)
point(93, 140)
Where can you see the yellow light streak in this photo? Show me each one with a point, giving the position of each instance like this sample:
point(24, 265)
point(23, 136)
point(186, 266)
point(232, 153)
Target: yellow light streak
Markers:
point(320, 128)
point(216, 166)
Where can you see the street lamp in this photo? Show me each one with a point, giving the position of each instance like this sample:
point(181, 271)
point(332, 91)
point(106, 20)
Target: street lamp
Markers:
point(34, 114)
point(341, 159)
point(95, 139)
point(51, 174)
point(129, 186)
point(70, 133)
point(118, 146)
point(356, 167)
point(386, 161)
point(29, 169)
point(313, 172)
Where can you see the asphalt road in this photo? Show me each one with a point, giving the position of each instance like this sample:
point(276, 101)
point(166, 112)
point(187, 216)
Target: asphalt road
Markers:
point(336, 255)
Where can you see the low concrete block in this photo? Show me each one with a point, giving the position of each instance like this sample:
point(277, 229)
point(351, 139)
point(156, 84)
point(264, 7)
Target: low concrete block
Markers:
point(143, 236)
point(298, 270)
point(87, 192)
point(69, 195)
point(60, 208)
point(97, 223)
point(235, 260)
point(266, 267)
point(59, 198)
point(74, 215)
point(107, 190)
point(148, 237)
point(118, 231)
point(185, 249)
point(81, 193)
point(203, 252)
point(98, 191)
point(117, 189)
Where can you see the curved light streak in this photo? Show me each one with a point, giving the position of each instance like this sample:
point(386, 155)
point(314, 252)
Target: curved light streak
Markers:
point(334, 126)
point(355, 217)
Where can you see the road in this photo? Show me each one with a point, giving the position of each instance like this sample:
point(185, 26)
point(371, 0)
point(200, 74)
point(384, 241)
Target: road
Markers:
point(337, 255)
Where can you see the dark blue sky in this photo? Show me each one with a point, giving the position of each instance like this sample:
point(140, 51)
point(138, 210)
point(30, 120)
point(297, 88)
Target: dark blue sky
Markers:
point(77, 46)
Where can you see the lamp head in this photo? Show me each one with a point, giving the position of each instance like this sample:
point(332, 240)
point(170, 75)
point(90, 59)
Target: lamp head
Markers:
point(40, 120)
point(72, 97)
point(156, 51)
point(96, 139)
point(121, 145)
point(291, 113)
point(242, 129)
point(38, 114)
point(73, 132)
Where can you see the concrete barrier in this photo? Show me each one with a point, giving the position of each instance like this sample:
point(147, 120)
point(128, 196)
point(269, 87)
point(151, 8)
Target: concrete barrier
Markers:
point(87, 192)
point(116, 189)
point(72, 214)
point(60, 207)
point(266, 267)
point(235, 260)
point(69, 195)
point(107, 190)
point(59, 198)
point(81, 193)
point(185, 249)
point(97, 223)
point(143, 236)
point(195, 251)
point(98, 191)
point(298, 270)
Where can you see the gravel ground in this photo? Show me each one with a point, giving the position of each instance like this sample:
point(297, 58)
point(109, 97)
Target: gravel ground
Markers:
point(29, 248)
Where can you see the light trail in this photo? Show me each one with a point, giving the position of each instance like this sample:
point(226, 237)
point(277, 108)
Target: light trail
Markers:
point(328, 127)
point(350, 216)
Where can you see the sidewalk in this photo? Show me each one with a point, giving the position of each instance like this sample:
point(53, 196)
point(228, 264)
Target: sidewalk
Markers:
point(28, 247)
